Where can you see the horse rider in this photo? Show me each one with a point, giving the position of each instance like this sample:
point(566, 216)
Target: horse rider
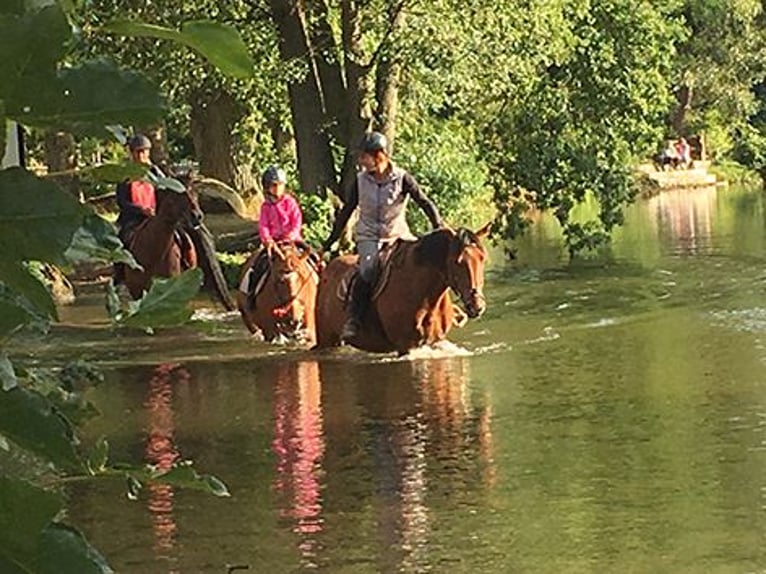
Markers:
point(381, 191)
point(136, 199)
point(280, 220)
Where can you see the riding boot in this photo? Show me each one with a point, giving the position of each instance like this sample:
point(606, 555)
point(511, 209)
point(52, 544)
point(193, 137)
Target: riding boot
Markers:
point(357, 305)
point(118, 273)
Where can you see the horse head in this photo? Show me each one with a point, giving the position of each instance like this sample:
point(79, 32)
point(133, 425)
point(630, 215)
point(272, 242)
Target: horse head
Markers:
point(291, 273)
point(465, 268)
point(177, 202)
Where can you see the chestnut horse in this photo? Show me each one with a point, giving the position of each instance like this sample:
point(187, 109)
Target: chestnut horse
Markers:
point(284, 305)
point(414, 307)
point(170, 242)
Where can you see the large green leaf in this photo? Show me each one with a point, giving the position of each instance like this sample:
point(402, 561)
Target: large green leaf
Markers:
point(167, 302)
point(25, 510)
point(63, 549)
point(37, 218)
point(19, 278)
point(31, 421)
point(185, 476)
point(13, 316)
point(31, 44)
point(115, 172)
point(85, 98)
point(96, 240)
point(219, 43)
point(7, 374)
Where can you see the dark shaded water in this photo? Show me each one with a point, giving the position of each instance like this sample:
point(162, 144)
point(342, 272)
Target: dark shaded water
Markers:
point(604, 416)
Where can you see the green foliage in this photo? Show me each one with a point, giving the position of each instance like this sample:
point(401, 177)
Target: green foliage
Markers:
point(593, 107)
point(40, 223)
point(231, 265)
point(221, 44)
point(166, 304)
point(317, 217)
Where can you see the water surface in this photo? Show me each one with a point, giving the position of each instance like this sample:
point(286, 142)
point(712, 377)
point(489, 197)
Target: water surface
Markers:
point(607, 415)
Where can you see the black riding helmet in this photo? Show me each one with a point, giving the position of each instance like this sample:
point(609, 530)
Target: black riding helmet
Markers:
point(139, 141)
point(273, 174)
point(373, 142)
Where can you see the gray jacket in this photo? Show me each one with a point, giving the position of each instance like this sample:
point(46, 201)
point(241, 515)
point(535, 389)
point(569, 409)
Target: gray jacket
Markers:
point(382, 207)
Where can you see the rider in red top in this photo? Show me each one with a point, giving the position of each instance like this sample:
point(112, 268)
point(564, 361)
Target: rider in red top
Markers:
point(136, 200)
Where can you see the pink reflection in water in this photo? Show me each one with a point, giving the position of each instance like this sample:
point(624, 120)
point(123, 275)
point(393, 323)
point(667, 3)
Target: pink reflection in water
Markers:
point(161, 452)
point(299, 446)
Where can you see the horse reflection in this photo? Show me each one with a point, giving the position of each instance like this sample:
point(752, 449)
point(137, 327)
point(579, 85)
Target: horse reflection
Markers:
point(160, 451)
point(299, 446)
point(430, 443)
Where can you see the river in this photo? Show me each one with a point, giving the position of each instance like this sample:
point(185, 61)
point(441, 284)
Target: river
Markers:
point(607, 415)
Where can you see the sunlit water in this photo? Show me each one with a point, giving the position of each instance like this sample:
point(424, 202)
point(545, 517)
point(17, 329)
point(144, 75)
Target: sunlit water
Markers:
point(604, 416)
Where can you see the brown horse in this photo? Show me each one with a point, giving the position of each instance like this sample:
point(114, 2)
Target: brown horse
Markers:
point(170, 242)
point(414, 307)
point(284, 305)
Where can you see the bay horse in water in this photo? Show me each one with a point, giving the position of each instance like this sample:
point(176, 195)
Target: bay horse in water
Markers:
point(172, 241)
point(411, 305)
point(284, 303)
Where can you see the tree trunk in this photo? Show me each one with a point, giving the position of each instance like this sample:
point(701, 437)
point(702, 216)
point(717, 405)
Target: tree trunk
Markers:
point(684, 97)
point(357, 89)
point(61, 156)
point(388, 79)
point(213, 117)
point(315, 160)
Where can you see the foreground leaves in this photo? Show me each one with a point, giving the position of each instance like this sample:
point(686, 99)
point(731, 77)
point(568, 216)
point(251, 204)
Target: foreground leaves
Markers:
point(32, 422)
point(166, 304)
point(219, 43)
point(30, 541)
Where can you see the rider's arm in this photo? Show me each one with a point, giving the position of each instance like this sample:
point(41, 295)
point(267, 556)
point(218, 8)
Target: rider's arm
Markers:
point(124, 203)
point(264, 227)
point(410, 186)
point(343, 217)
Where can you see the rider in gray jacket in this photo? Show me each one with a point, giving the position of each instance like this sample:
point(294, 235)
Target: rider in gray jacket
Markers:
point(381, 191)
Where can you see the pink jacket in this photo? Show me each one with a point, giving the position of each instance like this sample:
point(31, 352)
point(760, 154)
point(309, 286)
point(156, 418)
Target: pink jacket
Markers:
point(280, 220)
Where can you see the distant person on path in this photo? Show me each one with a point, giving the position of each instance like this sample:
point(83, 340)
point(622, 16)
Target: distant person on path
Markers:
point(684, 153)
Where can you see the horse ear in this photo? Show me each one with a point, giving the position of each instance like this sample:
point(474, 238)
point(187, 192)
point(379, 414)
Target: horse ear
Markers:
point(484, 232)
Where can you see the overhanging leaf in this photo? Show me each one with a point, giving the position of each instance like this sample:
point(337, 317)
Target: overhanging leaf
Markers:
point(25, 510)
point(64, 549)
point(85, 98)
point(13, 316)
point(219, 43)
point(37, 218)
point(30, 43)
point(115, 172)
point(7, 374)
point(21, 280)
point(185, 476)
point(99, 456)
point(31, 421)
point(167, 302)
point(96, 239)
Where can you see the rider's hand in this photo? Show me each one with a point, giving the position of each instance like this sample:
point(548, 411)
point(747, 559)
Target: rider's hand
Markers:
point(269, 246)
point(148, 211)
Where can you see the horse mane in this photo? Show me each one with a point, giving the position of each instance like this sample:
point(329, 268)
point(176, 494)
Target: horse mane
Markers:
point(433, 248)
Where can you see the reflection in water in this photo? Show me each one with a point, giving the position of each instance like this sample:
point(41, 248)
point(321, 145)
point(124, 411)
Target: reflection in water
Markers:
point(687, 216)
point(161, 452)
point(442, 435)
point(299, 445)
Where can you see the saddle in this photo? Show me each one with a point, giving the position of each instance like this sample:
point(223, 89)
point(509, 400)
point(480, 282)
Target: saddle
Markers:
point(390, 257)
